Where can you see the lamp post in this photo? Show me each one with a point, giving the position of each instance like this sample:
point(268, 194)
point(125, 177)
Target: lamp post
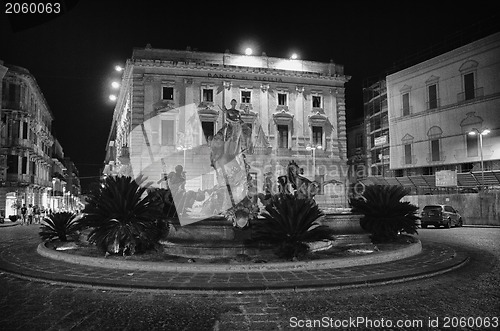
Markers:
point(481, 133)
point(313, 149)
point(184, 149)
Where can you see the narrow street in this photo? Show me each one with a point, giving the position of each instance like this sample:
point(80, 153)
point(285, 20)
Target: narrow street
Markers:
point(472, 291)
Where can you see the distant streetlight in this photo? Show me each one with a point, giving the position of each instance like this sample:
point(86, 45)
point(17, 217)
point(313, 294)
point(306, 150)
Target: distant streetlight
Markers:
point(112, 97)
point(248, 51)
point(115, 85)
point(184, 149)
point(481, 133)
point(118, 68)
point(313, 149)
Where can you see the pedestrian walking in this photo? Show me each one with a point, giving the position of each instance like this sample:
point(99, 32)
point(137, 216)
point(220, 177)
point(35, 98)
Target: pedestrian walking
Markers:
point(36, 212)
point(30, 214)
point(24, 210)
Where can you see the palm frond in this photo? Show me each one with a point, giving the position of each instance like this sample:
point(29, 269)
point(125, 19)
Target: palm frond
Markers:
point(59, 225)
point(123, 217)
point(385, 216)
point(289, 223)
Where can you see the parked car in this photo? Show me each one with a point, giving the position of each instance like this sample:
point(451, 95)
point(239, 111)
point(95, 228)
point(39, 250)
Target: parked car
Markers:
point(440, 215)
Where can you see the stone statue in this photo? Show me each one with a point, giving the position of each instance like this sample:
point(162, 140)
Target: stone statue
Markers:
point(227, 157)
point(295, 183)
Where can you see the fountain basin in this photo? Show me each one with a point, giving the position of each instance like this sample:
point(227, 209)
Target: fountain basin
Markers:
point(216, 237)
point(347, 229)
point(212, 238)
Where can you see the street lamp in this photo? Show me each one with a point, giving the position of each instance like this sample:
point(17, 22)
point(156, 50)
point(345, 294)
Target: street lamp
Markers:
point(481, 133)
point(313, 149)
point(184, 149)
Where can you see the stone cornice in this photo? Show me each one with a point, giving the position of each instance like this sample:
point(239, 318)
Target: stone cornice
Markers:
point(225, 71)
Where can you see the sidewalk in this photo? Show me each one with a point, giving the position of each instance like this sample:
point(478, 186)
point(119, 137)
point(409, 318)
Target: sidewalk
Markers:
point(20, 257)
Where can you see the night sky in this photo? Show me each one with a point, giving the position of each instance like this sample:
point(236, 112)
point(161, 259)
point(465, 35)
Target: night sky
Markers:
point(72, 55)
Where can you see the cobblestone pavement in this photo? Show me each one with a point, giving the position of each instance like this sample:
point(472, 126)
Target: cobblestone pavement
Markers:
point(470, 291)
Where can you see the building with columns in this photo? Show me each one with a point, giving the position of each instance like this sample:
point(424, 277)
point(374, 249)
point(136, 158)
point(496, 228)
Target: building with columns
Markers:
point(169, 108)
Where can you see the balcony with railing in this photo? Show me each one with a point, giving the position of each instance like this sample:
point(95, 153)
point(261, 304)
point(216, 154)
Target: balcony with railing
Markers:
point(433, 104)
point(470, 94)
point(12, 105)
point(17, 142)
point(436, 158)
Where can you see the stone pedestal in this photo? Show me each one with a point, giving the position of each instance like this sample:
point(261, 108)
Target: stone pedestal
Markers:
point(211, 238)
point(348, 231)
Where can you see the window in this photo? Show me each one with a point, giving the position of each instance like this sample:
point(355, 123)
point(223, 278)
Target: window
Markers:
point(426, 171)
point(208, 95)
point(406, 104)
point(408, 154)
point(25, 130)
point(246, 96)
point(471, 142)
point(24, 165)
point(316, 100)
point(432, 93)
point(376, 155)
point(469, 86)
point(12, 164)
point(208, 130)
point(317, 135)
point(167, 93)
point(375, 123)
point(167, 132)
point(435, 150)
point(467, 167)
point(14, 93)
point(282, 136)
point(281, 99)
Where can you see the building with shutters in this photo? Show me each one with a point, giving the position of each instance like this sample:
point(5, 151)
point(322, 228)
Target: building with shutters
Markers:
point(434, 105)
point(169, 109)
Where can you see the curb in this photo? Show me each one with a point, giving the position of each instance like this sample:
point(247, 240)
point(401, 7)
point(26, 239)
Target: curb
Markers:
point(334, 263)
point(8, 224)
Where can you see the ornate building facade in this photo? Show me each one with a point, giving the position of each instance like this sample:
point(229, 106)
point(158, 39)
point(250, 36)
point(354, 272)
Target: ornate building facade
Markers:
point(27, 174)
point(170, 107)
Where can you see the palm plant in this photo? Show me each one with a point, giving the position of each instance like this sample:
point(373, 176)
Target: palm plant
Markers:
point(123, 218)
point(290, 223)
point(60, 225)
point(168, 207)
point(385, 215)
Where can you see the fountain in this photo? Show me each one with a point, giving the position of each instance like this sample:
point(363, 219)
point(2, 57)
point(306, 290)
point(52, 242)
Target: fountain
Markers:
point(216, 221)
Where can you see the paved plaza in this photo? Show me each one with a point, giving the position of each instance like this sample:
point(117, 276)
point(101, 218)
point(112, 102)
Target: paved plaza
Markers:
point(362, 296)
